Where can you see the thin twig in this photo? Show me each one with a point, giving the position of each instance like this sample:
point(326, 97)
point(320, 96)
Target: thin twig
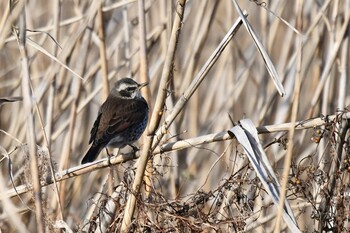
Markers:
point(168, 147)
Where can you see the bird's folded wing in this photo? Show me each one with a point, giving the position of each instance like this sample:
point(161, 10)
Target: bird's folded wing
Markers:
point(94, 129)
point(112, 124)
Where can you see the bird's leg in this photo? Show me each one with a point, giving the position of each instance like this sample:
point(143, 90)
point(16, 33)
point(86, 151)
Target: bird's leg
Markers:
point(109, 156)
point(134, 148)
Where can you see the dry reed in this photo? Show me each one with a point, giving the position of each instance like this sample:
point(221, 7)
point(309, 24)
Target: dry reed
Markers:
point(59, 59)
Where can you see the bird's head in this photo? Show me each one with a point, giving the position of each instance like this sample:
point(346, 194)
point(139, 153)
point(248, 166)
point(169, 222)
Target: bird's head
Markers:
point(128, 88)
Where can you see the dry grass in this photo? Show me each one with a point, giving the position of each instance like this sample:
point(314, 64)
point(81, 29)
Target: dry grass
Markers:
point(63, 72)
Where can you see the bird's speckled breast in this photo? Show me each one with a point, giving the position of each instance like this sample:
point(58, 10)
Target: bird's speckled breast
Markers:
point(131, 135)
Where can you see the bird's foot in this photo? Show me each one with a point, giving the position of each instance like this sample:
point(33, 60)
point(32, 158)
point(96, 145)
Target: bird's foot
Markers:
point(109, 157)
point(134, 148)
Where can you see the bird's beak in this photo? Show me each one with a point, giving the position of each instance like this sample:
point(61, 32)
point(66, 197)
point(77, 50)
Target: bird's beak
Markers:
point(141, 85)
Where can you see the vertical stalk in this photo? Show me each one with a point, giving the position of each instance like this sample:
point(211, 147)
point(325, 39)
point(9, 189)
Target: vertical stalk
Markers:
point(156, 115)
point(30, 133)
point(296, 97)
point(103, 56)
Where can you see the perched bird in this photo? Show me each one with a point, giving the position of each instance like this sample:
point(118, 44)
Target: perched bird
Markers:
point(121, 119)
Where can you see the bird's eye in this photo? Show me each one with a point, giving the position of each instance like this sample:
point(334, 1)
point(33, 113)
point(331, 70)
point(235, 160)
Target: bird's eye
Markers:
point(130, 89)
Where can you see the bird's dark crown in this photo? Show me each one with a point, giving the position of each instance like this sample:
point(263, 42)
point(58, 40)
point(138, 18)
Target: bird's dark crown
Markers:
point(127, 88)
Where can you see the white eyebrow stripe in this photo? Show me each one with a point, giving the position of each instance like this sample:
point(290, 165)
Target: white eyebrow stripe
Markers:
point(122, 86)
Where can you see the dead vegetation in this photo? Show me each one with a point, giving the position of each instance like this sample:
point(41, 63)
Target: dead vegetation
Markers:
point(60, 58)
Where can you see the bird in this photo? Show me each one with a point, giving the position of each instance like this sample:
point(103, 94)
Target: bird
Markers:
point(121, 119)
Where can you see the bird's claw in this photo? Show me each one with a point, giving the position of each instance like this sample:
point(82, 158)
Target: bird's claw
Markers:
point(134, 148)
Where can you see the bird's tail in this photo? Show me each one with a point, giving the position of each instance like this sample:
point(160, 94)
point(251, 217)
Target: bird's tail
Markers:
point(92, 154)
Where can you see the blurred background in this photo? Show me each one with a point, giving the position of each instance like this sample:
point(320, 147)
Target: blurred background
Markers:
point(209, 187)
